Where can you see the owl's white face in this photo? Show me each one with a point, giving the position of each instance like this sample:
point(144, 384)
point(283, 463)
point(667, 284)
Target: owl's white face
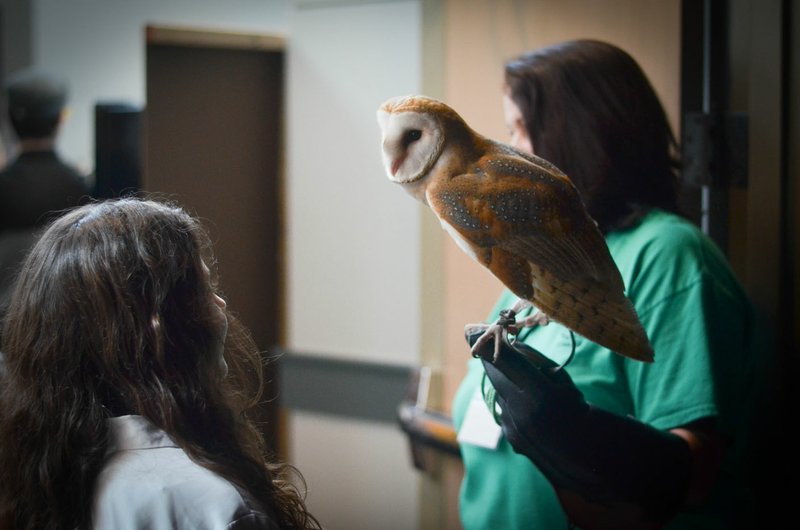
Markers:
point(411, 144)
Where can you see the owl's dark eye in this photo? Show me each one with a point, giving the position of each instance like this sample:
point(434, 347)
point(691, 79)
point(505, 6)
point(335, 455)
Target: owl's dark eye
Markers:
point(411, 136)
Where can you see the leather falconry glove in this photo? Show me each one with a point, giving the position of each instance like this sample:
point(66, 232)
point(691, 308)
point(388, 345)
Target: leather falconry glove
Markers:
point(606, 461)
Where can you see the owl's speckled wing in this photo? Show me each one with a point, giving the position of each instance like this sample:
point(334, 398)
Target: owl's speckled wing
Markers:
point(524, 220)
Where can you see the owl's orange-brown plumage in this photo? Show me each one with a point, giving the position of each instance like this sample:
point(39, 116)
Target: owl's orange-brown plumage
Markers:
point(516, 214)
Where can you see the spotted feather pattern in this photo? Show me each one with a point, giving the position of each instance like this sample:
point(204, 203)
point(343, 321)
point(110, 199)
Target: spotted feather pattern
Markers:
point(544, 247)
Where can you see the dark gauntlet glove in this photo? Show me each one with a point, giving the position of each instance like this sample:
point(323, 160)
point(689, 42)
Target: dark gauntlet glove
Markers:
point(607, 460)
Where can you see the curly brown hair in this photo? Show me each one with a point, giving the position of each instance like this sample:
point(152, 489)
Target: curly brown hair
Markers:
point(112, 314)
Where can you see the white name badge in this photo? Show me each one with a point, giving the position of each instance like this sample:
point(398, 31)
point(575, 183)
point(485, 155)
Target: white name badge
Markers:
point(479, 427)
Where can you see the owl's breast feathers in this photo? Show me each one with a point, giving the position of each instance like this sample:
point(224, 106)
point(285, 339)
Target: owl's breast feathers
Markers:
point(525, 221)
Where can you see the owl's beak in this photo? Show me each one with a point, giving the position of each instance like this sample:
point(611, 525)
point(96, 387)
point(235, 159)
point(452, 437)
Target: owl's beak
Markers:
point(396, 164)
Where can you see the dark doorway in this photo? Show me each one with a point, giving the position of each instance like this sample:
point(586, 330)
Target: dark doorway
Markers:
point(739, 95)
point(213, 142)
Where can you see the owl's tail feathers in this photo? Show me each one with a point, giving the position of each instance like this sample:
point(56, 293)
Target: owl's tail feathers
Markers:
point(624, 332)
point(601, 315)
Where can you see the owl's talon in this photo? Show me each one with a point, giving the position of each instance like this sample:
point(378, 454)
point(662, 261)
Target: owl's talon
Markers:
point(505, 324)
point(497, 342)
point(488, 333)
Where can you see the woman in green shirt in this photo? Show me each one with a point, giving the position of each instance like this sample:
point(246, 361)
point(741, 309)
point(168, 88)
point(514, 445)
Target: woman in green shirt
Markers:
point(638, 445)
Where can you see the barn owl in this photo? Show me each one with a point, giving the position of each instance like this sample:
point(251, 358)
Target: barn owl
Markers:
point(517, 215)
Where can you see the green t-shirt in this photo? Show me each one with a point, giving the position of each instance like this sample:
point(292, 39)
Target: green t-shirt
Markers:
point(699, 322)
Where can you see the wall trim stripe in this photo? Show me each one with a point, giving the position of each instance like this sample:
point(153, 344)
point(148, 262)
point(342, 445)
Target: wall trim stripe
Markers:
point(347, 388)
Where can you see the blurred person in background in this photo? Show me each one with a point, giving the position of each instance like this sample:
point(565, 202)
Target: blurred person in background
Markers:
point(36, 185)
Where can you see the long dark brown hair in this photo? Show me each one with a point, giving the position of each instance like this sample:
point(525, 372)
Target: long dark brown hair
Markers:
point(590, 110)
point(113, 314)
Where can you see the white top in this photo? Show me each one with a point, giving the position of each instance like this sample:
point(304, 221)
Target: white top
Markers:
point(148, 482)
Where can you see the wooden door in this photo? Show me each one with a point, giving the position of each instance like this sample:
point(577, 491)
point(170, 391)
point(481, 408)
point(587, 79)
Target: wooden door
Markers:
point(213, 143)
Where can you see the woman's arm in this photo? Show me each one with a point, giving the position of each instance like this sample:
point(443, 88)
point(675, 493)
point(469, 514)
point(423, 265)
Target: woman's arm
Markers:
point(707, 447)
